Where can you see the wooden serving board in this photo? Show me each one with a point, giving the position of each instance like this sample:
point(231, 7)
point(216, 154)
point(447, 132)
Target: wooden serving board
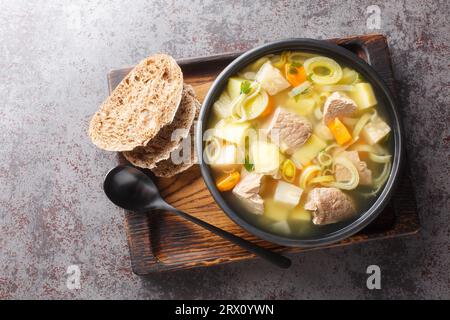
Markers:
point(162, 241)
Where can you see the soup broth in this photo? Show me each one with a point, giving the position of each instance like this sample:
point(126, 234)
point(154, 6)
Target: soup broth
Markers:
point(299, 144)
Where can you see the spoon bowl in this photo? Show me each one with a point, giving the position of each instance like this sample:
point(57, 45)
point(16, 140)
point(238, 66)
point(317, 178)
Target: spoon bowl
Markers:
point(133, 190)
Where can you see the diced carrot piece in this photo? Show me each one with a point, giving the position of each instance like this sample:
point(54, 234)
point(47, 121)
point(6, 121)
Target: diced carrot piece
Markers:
point(227, 182)
point(362, 155)
point(340, 131)
point(307, 164)
point(295, 75)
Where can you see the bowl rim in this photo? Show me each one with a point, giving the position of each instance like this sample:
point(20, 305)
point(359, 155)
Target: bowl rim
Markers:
point(353, 61)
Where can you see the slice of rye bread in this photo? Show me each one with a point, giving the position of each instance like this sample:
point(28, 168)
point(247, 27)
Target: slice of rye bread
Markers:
point(144, 101)
point(168, 139)
point(166, 168)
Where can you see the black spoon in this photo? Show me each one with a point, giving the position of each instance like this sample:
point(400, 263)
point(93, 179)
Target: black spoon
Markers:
point(132, 190)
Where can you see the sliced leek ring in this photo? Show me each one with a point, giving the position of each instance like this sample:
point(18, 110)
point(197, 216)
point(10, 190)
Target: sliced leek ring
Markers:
point(365, 118)
point(236, 108)
point(321, 97)
point(288, 170)
point(249, 107)
point(324, 158)
point(333, 74)
point(381, 179)
point(322, 179)
point(307, 174)
point(349, 76)
point(347, 185)
point(379, 158)
point(363, 148)
point(255, 106)
point(279, 60)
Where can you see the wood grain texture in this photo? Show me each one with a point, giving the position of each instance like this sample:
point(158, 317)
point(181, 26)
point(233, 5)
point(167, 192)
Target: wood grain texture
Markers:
point(163, 242)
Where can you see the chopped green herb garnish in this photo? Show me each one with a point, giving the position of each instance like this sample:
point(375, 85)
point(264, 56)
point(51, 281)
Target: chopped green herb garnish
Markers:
point(247, 165)
point(293, 67)
point(309, 77)
point(245, 87)
point(306, 91)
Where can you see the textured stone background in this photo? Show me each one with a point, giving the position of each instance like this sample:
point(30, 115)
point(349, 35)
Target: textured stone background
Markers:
point(54, 56)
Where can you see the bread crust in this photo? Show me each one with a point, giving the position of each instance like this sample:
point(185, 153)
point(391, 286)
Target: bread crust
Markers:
point(166, 168)
point(145, 101)
point(169, 137)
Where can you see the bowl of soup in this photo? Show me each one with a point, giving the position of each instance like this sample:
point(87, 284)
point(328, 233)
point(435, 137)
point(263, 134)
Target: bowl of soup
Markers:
point(300, 142)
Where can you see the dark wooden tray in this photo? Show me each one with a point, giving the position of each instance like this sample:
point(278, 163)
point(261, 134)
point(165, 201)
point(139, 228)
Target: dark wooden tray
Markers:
point(162, 241)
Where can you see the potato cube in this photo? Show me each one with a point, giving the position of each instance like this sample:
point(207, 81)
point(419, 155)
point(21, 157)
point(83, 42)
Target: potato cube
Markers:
point(227, 159)
point(303, 107)
point(376, 130)
point(287, 193)
point(234, 87)
point(265, 156)
point(363, 95)
point(231, 132)
point(300, 214)
point(275, 210)
point(308, 151)
point(271, 79)
point(281, 227)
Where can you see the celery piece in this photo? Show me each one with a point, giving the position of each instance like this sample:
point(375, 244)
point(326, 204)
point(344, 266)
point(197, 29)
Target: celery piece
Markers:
point(275, 210)
point(308, 151)
point(281, 227)
point(301, 106)
point(234, 87)
point(300, 214)
point(363, 95)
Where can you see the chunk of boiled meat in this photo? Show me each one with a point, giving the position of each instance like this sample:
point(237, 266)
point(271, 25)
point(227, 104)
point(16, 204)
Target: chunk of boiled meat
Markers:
point(337, 105)
point(247, 190)
point(329, 205)
point(343, 174)
point(288, 130)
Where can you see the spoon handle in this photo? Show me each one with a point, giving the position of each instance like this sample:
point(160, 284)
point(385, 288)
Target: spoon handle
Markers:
point(273, 257)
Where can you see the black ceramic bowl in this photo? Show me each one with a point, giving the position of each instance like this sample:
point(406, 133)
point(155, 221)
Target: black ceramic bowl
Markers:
point(383, 95)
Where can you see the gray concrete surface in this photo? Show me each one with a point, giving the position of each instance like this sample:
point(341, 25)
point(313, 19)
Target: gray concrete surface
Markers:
point(54, 56)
